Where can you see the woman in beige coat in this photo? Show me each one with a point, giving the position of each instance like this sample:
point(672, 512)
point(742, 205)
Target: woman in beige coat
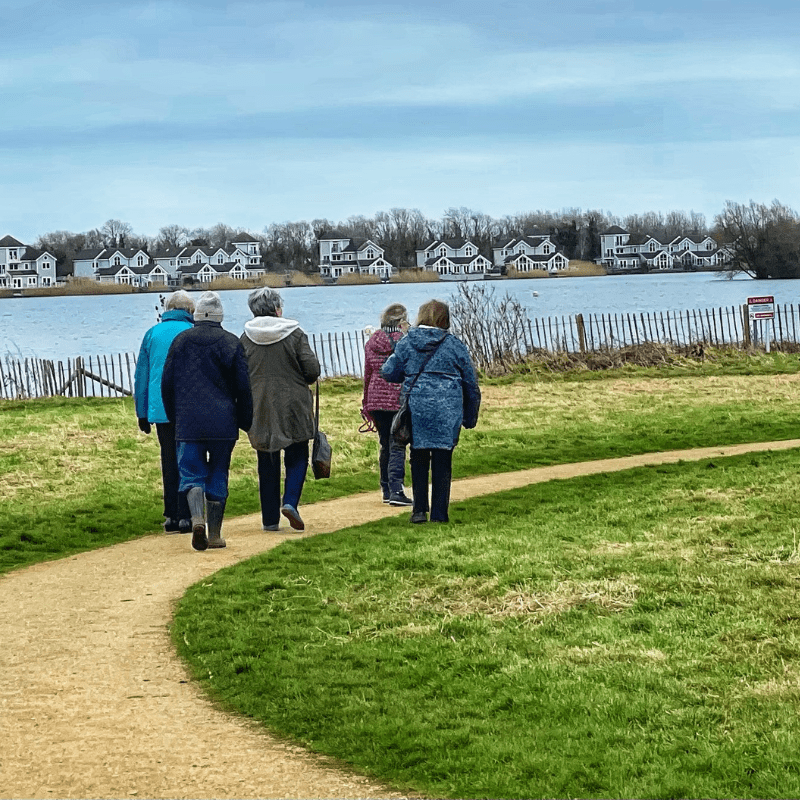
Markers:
point(282, 365)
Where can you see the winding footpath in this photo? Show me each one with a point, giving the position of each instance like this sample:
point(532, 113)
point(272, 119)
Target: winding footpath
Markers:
point(94, 702)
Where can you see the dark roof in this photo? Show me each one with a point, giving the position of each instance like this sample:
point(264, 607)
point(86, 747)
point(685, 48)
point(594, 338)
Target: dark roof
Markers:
point(32, 253)
point(89, 255)
point(334, 234)
point(241, 238)
point(168, 252)
point(15, 272)
point(10, 241)
point(614, 229)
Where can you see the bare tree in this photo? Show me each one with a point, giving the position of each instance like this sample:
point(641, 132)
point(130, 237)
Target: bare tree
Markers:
point(115, 232)
point(172, 236)
point(764, 240)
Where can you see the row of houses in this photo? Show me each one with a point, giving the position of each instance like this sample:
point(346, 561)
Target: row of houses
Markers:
point(22, 266)
point(623, 251)
point(451, 258)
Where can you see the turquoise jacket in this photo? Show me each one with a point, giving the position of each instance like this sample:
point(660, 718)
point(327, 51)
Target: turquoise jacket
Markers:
point(150, 366)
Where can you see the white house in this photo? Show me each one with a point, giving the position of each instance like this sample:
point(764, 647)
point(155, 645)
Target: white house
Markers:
point(177, 265)
point(621, 250)
point(24, 267)
point(453, 259)
point(529, 253)
point(342, 255)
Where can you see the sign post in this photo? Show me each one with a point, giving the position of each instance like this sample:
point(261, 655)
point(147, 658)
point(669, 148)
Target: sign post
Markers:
point(762, 309)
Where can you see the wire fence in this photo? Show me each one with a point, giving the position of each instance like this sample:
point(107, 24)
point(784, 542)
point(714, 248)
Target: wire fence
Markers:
point(342, 354)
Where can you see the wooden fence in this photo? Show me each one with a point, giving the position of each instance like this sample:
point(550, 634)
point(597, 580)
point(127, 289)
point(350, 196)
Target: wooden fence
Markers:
point(343, 353)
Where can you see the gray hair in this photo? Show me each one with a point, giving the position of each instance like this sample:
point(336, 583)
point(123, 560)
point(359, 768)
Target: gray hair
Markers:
point(393, 315)
point(181, 300)
point(264, 302)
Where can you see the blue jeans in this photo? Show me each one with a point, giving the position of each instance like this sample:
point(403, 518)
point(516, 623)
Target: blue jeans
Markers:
point(206, 464)
point(295, 461)
point(175, 506)
point(392, 456)
point(440, 465)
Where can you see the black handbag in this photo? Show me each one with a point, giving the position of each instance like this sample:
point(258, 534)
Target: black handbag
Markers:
point(401, 421)
point(321, 450)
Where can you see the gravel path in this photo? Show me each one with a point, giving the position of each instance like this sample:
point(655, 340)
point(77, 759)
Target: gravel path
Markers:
point(94, 702)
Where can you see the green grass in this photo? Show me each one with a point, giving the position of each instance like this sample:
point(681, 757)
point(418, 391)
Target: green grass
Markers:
point(622, 635)
point(77, 474)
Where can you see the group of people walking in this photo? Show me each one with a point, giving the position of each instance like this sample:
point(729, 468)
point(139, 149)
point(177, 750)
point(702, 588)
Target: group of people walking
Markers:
point(200, 385)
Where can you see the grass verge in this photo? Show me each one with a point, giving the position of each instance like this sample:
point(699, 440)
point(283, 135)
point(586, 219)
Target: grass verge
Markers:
point(629, 635)
point(77, 474)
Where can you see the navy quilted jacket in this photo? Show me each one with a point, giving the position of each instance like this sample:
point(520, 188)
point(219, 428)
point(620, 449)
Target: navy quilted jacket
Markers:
point(446, 395)
point(206, 386)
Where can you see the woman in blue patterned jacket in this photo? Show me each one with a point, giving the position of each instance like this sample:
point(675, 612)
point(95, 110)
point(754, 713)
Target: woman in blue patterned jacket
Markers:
point(444, 398)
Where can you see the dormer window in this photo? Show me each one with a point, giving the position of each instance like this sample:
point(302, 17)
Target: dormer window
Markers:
point(652, 247)
point(546, 250)
point(219, 258)
point(117, 261)
point(335, 247)
point(469, 251)
point(140, 261)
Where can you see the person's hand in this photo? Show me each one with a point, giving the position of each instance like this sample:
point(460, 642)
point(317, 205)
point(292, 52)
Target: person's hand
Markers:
point(144, 425)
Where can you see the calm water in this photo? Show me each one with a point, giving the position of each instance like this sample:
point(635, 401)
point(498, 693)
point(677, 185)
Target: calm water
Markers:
point(65, 327)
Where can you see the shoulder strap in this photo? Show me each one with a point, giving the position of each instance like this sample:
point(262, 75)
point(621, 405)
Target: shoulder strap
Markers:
point(316, 411)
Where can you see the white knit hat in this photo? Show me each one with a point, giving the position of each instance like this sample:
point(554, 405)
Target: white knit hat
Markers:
point(208, 307)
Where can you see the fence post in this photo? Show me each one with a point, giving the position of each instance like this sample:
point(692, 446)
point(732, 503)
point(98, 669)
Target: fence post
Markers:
point(746, 325)
point(581, 332)
point(80, 380)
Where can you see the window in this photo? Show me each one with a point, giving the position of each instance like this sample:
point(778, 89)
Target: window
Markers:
point(469, 251)
point(12, 255)
point(219, 258)
point(546, 250)
point(140, 261)
point(335, 247)
point(370, 254)
point(117, 261)
point(652, 247)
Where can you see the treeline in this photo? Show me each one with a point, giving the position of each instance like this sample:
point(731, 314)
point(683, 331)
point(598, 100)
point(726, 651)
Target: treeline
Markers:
point(764, 239)
point(400, 231)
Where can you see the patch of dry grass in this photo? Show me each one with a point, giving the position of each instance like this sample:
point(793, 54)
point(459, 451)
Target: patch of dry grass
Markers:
point(415, 276)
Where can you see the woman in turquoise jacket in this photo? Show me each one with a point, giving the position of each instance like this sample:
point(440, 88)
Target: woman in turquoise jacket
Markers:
point(150, 408)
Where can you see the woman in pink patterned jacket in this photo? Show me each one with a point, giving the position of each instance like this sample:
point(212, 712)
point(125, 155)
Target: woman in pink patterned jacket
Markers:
point(381, 401)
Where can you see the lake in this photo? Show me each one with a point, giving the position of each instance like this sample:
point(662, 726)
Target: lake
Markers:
point(64, 327)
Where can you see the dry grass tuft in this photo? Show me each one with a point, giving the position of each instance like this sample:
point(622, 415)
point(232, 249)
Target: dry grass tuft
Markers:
point(469, 597)
point(353, 279)
point(415, 276)
point(514, 273)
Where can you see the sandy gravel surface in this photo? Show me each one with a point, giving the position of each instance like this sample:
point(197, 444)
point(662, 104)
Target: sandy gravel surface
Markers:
point(94, 702)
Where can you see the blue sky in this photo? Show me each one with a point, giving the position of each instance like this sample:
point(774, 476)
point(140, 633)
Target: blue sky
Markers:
point(249, 113)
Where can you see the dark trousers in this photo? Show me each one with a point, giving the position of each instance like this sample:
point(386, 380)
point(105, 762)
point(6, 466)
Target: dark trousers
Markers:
point(295, 462)
point(440, 464)
point(175, 505)
point(392, 456)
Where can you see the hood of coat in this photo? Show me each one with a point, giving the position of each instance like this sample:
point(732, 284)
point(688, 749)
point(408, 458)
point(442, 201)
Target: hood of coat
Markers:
point(424, 339)
point(269, 330)
point(177, 314)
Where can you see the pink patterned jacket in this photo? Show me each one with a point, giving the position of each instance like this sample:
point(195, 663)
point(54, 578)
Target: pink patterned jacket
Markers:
point(380, 395)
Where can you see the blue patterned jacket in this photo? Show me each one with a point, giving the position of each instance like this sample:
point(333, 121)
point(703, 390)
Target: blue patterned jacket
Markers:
point(446, 395)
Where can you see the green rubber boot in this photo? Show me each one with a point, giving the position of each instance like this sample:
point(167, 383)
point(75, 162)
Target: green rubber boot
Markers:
point(216, 511)
point(195, 499)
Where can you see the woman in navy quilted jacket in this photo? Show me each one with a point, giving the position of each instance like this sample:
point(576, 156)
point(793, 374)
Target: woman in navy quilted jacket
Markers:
point(444, 398)
point(381, 401)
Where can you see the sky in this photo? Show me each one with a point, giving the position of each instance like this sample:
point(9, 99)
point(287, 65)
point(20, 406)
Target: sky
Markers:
point(252, 113)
